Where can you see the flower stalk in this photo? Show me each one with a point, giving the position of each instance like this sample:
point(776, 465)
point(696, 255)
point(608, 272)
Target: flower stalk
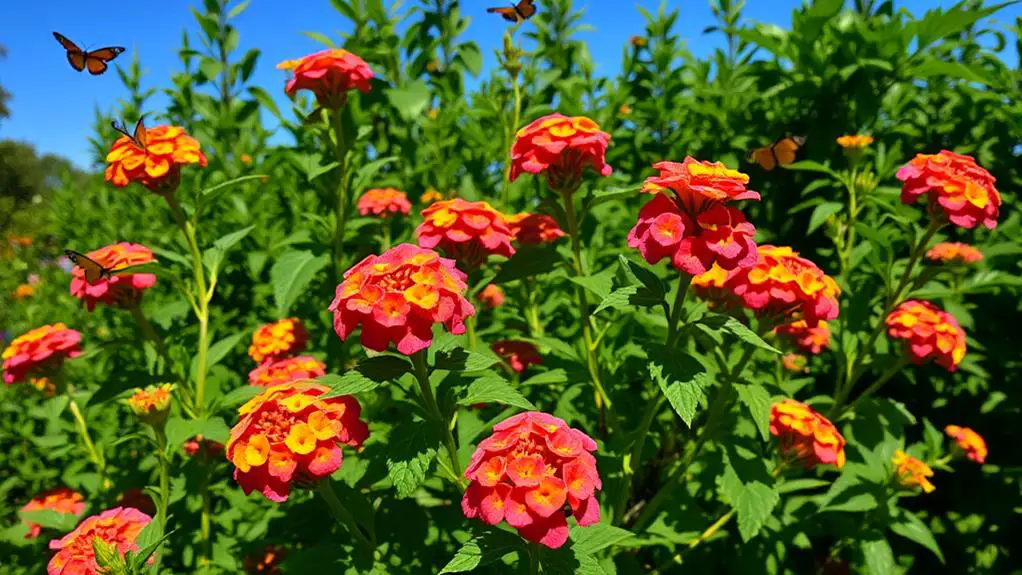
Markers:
point(342, 515)
point(341, 207)
point(426, 390)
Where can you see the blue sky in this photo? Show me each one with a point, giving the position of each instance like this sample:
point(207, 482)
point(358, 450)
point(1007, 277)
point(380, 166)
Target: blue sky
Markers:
point(53, 106)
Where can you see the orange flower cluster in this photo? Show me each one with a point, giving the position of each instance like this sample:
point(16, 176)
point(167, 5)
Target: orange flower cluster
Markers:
point(118, 527)
point(288, 433)
point(956, 184)
point(272, 373)
point(954, 253)
point(807, 438)
point(121, 289)
point(158, 165)
point(277, 340)
point(266, 562)
point(468, 232)
point(688, 220)
point(518, 354)
point(533, 229)
point(430, 196)
point(786, 285)
point(807, 339)
point(61, 500)
point(329, 74)
point(562, 146)
point(931, 333)
point(968, 441)
point(526, 471)
point(854, 142)
point(492, 296)
point(200, 444)
point(23, 291)
point(152, 404)
point(398, 296)
point(383, 202)
point(795, 362)
point(39, 350)
point(911, 472)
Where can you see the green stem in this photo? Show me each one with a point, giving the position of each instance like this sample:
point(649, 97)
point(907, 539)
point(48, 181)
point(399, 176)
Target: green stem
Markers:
point(674, 324)
point(837, 410)
point(150, 333)
point(385, 228)
point(83, 431)
point(631, 459)
point(205, 522)
point(341, 513)
point(422, 376)
point(470, 327)
point(341, 208)
point(849, 240)
point(534, 558)
point(164, 503)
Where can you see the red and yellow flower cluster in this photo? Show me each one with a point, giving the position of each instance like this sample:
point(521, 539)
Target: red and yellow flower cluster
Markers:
point(911, 472)
point(807, 438)
point(61, 500)
point(272, 373)
point(533, 229)
point(121, 289)
point(152, 403)
point(526, 471)
point(807, 339)
point(277, 340)
point(562, 146)
point(856, 142)
point(39, 350)
point(468, 232)
point(492, 296)
point(954, 253)
point(956, 184)
point(518, 354)
point(158, 165)
point(398, 296)
point(289, 433)
point(118, 527)
point(931, 333)
point(383, 202)
point(329, 74)
point(970, 442)
point(688, 220)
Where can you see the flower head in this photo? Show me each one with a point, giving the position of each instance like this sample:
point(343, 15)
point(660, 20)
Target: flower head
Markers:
point(968, 441)
point(954, 253)
point(383, 202)
point(911, 472)
point(955, 184)
point(468, 232)
point(807, 437)
point(492, 296)
point(518, 354)
point(930, 332)
point(795, 362)
point(430, 196)
point(118, 527)
point(561, 146)
point(39, 350)
point(265, 562)
point(534, 229)
point(525, 473)
point(288, 433)
point(276, 372)
point(23, 291)
point(854, 142)
point(119, 289)
point(278, 339)
point(152, 404)
point(697, 185)
point(61, 500)
point(398, 296)
point(786, 285)
point(158, 165)
point(329, 74)
point(203, 445)
point(807, 339)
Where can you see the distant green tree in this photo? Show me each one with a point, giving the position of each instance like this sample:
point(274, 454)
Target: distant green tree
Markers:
point(26, 179)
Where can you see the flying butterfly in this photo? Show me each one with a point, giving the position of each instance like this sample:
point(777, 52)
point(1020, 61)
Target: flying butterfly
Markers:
point(93, 271)
point(95, 61)
point(782, 152)
point(138, 136)
point(517, 12)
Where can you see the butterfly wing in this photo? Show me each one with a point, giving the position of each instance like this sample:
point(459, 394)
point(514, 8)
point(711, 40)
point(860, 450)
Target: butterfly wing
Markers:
point(141, 137)
point(786, 149)
point(762, 156)
point(66, 43)
point(525, 9)
point(509, 14)
point(92, 270)
point(75, 55)
point(96, 60)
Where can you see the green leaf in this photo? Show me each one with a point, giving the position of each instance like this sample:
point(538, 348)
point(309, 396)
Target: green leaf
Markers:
point(589, 540)
point(214, 256)
point(460, 359)
point(368, 171)
point(935, 67)
point(291, 275)
point(569, 560)
point(937, 24)
point(237, 10)
point(208, 192)
point(528, 262)
point(876, 552)
point(180, 430)
point(600, 197)
point(749, 487)
point(50, 519)
point(368, 375)
point(621, 298)
point(599, 284)
point(644, 276)
point(483, 549)
point(757, 400)
point(492, 388)
point(240, 396)
point(811, 166)
point(321, 38)
point(410, 100)
point(681, 378)
point(218, 351)
point(472, 57)
point(411, 450)
point(821, 213)
point(911, 527)
point(737, 329)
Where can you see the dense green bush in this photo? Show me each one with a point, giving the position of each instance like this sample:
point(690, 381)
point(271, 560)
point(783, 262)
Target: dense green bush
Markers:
point(274, 228)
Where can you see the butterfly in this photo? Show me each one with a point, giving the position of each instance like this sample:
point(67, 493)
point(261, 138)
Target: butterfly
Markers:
point(138, 136)
point(95, 61)
point(93, 271)
point(516, 13)
point(782, 152)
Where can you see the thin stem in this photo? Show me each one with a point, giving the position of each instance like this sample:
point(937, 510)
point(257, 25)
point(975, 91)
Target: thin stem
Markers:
point(385, 228)
point(161, 454)
point(83, 431)
point(679, 300)
point(341, 208)
point(534, 558)
point(205, 522)
point(341, 513)
point(837, 410)
point(422, 376)
point(631, 459)
point(470, 327)
point(150, 333)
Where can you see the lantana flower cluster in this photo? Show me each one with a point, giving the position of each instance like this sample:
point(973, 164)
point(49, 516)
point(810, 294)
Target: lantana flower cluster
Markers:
point(75, 554)
point(929, 332)
point(329, 74)
point(383, 202)
point(533, 229)
point(120, 289)
point(807, 438)
point(38, 351)
point(274, 347)
point(519, 355)
point(955, 185)
point(911, 472)
point(158, 165)
point(467, 232)
point(807, 339)
point(969, 442)
point(954, 253)
point(561, 146)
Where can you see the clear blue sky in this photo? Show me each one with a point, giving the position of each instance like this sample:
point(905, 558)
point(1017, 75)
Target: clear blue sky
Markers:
point(53, 106)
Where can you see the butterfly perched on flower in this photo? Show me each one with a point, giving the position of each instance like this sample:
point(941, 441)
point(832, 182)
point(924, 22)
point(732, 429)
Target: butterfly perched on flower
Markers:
point(138, 136)
point(93, 270)
point(782, 152)
point(95, 61)
point(516, 13)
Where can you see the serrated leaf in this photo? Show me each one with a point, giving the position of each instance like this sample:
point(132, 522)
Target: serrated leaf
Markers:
point(495, 389)
point(411, 450)
point(644, 276)
point(749, 487)
point(599, 284)
point(460, 359)
point(737, 329)
point(291, 275)
point(681, 378)
point(757, 399)
point(483, 549)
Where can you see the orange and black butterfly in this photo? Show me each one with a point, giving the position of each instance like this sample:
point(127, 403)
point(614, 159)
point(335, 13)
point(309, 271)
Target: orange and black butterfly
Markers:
point(516, 13)
point(93, 271)
point(138, 135)
point(95, 61)
point(781, 153)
